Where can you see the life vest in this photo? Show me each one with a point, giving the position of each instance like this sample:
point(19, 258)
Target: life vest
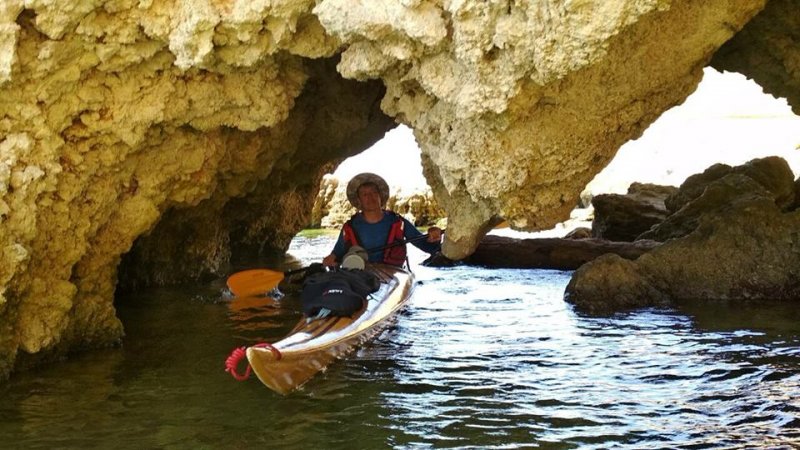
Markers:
point(396, 255)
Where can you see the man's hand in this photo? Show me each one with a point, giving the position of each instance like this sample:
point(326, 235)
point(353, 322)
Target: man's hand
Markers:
point(434, 234)
point(329, 260)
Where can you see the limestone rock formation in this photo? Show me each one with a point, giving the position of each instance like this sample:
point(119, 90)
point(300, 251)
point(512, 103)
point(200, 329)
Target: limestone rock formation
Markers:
point(625, 217)
point(196, 128)
point(201, 241)
point(324, 202)
point(419, 207)
point(735, 240)
point(178, 136)
point(766, 50)
point(517, 104)
point(719, 187)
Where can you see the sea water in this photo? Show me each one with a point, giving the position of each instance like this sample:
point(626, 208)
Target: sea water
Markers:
point(479, 358)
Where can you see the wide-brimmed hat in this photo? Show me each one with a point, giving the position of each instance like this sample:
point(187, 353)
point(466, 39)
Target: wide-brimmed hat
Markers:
point(367, 177)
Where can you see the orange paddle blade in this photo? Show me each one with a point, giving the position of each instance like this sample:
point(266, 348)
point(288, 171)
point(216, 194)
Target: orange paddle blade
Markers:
point(254, 282)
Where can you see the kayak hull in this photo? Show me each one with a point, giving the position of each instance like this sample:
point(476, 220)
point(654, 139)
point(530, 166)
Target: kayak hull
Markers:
point(311, 347)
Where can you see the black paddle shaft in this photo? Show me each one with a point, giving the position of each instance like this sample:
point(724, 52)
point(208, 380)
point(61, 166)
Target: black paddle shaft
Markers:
point(371, 250)
point(397, 243)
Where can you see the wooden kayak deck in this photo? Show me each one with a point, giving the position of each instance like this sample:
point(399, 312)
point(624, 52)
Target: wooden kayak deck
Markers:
point(311, 347)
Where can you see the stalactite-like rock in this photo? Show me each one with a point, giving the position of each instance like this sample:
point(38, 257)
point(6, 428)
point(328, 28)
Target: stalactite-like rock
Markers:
point(517, 104)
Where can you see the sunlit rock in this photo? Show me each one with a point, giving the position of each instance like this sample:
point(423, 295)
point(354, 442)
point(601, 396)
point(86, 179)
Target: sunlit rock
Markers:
point(524, 102)
point(191, 126)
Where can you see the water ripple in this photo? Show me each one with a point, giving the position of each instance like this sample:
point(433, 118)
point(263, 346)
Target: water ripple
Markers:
point(478, 359)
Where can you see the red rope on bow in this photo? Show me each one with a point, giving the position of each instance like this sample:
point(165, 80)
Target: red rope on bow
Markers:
point(238, 353)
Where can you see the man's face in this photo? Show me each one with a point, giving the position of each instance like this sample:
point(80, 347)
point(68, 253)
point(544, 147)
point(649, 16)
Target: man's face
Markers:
point(369, 197)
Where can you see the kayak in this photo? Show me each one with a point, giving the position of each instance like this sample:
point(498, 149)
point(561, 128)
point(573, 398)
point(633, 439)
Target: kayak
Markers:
point(310, 347)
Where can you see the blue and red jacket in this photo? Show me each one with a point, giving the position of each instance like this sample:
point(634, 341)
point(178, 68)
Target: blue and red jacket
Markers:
point(391, 228)
point(395, 255)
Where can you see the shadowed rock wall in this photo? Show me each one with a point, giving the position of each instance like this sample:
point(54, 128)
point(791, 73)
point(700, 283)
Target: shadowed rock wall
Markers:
point(768, 51)
point(332, 119)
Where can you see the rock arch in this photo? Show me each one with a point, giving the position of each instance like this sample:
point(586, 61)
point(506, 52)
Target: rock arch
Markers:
point(133, 121)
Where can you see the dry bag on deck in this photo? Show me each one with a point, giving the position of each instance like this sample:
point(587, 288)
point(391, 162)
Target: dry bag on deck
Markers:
point(343, 292)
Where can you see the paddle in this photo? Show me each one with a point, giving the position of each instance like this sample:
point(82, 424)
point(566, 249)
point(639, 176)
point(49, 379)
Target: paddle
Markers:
point(259, 281)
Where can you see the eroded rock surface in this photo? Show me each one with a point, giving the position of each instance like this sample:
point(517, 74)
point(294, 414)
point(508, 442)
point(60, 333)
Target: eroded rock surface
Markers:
point(515, 104)
point(734, 240)
point(194, 125)
point(766, 50)
point(625, 217)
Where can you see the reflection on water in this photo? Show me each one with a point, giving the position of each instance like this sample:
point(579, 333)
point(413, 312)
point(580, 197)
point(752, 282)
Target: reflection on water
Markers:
point(478, 359)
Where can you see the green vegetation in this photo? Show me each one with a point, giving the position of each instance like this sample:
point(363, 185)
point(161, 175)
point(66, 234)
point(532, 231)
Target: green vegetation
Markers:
point(317, 232)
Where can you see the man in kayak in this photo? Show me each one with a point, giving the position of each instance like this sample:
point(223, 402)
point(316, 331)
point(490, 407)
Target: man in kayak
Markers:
point(376, 228)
